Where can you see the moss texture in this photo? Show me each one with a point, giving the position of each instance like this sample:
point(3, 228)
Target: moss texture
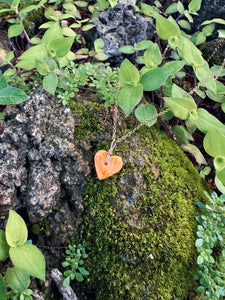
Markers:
point(142, 247)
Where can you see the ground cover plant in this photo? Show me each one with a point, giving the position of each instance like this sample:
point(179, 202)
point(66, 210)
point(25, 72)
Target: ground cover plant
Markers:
point(152, 88)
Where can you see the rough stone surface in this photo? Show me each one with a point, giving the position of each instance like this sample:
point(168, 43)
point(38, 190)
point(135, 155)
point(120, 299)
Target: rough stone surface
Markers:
point(118, 26)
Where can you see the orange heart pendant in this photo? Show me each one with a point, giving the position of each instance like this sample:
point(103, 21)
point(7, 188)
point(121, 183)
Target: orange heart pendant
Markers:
point(113, 166)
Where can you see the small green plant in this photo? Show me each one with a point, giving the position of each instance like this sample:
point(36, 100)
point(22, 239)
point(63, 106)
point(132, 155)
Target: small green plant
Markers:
point(25, 259)
point(74, 261)
point(211, 248)
point(99, 76)
point(9, 94)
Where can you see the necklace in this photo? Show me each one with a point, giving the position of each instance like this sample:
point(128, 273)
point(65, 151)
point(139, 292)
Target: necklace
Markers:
point(106, 164)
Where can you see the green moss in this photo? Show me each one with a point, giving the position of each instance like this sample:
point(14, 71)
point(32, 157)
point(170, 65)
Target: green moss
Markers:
point(146, 250)
point(88, 125)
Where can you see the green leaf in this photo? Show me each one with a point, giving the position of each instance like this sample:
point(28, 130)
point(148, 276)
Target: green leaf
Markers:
point(128, 74)
point(178, 92)
point(171, 9)
point(200, 38)
point(184, 24)
point(143, 45)
point(11, 95)
point(16, 230)
point(87, 27)
point(200, 260)
point(181, 134)
point(214, 142)
point(68, 32)
point(153, 79)
point(219, 185)
point(35, 40)
point(165, 28)
point(29, 56)
point(203, 72)
point(221, 33)
point(50, 82)
point(61, 46)
point(194, 6)
point(17, 279)
point(83, 271)
point(15, 30)
point(144, 112)
point(174, 66)
point(53, 33)
point(152, 56)
point(29, 259)
point(3, 82)
point(79, 277)
point(66, 282)
point(148, 10)
point(181, 107)
point(180, 7)
point(208, 29)
point(42, 67)
point(127, 49)
point(219, 164)
point(215, 20)
point(3, 289)
point(4, 247)
point(199, 243)
point(128, 97)
point(51, 63)
point(220, 95)
point(173, 42)
point(204, 121)
point(188, 51)
point(200, 289)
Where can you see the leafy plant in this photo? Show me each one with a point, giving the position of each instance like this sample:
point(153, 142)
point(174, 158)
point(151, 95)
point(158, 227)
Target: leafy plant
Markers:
point(211, 248)
point(9, 94)
point(73, 263)
point(25, 259)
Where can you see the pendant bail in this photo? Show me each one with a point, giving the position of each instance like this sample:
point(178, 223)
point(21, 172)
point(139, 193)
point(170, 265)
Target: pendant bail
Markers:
point(112, 146)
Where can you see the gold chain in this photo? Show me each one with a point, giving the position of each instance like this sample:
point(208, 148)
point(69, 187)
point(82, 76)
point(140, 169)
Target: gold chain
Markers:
point(124, 137)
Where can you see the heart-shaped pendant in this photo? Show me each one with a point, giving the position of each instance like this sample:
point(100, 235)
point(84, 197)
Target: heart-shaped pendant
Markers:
point(113, 166)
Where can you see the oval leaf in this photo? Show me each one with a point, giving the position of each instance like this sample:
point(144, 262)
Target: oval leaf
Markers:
point(153, 79)
point(203, 72)
point(205, 121)
point(214, 142)
point(152, 56)
point(17, 279)
point(12, 95)
point(181, 107)
point(127, 49)
point(165, 28)
point(128, 97)
point(128, 74)
point(188, 51)
point(4, 247)
point(15, 30)
point(16, 230)
point(144, 112)
point(29, 259)
point(50, 82)
point(42, 67)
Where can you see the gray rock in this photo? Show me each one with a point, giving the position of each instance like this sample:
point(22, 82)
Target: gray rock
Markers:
point(118, 26)
point(39, 156)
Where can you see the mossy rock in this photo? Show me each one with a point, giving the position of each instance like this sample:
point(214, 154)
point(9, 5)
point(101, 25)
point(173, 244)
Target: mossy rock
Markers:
point(140, 224)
